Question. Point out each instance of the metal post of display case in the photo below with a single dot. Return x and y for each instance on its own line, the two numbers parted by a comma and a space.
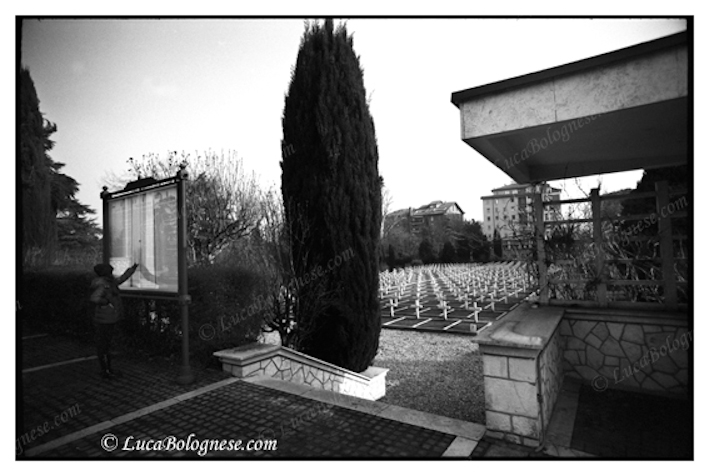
105, 195
186, 376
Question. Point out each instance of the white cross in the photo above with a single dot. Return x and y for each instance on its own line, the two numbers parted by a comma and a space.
444, 305
476, 310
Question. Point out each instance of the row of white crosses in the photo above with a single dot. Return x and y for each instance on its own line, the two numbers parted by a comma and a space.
393, 286
476, 286
469, 284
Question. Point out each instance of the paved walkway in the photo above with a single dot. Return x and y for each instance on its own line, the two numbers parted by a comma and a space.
620, 424
68, 411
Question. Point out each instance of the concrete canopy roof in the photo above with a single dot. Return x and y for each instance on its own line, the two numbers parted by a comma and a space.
624, 110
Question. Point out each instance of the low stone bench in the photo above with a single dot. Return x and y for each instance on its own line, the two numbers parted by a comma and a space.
266, 360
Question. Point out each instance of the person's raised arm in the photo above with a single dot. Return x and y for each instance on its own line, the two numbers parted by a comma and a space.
127, 274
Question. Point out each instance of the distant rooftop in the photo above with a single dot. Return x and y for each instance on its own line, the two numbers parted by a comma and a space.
436, 208
517, 186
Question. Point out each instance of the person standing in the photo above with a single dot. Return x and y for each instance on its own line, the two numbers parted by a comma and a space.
106, 297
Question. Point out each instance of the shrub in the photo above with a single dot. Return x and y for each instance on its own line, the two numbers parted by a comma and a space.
56, 301
228, 301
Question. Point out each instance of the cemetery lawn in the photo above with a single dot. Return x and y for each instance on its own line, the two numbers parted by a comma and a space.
433, 372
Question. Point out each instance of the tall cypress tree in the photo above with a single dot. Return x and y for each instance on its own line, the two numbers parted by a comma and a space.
332, 199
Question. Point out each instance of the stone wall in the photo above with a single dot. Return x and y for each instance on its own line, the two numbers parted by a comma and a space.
528, 353
633, 354
551, 375
522, 373
521, 389
263, 360
512, 410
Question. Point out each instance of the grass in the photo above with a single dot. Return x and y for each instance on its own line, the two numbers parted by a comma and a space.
433, 372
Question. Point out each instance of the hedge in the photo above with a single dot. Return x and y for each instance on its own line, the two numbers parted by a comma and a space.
56, 301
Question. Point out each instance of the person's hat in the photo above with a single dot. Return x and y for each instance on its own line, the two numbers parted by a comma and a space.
103, 269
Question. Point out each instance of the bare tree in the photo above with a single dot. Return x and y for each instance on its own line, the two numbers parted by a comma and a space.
285, 312
117, 180
387, 201
223, 205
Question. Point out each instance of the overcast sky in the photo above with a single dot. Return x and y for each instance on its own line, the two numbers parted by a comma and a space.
124, 88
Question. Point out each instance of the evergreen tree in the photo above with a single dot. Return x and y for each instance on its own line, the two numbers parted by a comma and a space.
470, 242
52, 217
391, 257
497, 244
426, 252
38, 216
448, 254
332, 200
76, 230
676, 177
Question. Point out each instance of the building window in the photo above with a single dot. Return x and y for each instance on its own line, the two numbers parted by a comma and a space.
514, 217
488, 218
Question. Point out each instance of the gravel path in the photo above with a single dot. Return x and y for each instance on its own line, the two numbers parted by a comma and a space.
433, 372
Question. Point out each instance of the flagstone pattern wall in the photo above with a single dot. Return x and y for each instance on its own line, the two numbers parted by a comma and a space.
629, 355
263, 360
528, 353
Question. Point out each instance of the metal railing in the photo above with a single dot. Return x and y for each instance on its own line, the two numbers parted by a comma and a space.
614, 261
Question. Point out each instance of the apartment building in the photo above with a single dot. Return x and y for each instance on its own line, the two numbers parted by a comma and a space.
509, 209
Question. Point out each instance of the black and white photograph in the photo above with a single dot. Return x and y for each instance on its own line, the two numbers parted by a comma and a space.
324, 237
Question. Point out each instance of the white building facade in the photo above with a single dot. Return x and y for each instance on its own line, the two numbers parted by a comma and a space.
509, 209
